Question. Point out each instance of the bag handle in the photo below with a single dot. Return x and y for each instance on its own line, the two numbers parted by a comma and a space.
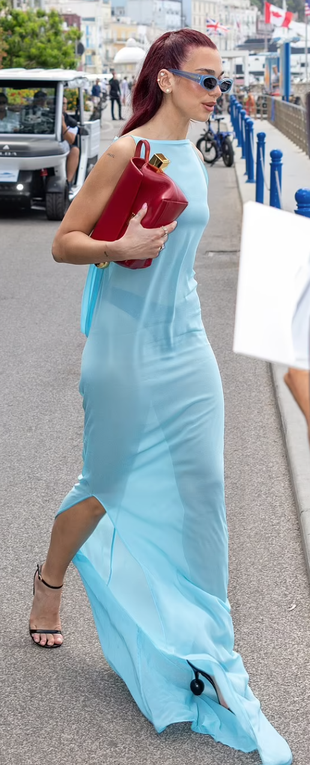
147, 149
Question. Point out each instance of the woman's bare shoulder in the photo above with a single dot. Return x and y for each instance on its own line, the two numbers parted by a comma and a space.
123, 147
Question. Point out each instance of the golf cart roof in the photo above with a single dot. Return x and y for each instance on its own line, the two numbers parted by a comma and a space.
67, 76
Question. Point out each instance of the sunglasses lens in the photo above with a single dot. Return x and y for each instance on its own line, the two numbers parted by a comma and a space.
225, 86
210, 83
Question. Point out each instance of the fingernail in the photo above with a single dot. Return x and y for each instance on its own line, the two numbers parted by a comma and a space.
144, 206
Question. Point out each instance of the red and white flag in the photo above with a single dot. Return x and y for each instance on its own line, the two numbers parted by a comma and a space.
278, 17
215, 28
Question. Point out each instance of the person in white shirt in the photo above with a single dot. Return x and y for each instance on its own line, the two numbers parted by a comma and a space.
124, 91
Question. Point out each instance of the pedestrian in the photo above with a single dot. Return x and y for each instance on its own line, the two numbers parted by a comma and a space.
124, 91
250, 105
96, 90
131, 83
104, 89
96, 100
146, 520
115, 96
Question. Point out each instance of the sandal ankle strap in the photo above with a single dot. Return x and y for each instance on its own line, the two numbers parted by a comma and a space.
51, 586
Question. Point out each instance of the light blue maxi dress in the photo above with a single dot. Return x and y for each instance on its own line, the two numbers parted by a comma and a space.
155, 568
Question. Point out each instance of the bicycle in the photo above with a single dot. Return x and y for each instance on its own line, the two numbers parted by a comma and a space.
214, 146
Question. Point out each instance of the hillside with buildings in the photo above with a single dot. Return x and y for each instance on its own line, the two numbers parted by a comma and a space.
106, 25
116, 33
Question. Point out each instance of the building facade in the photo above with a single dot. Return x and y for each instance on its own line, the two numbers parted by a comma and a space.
95, 16
122, 29
165, 14
239, 16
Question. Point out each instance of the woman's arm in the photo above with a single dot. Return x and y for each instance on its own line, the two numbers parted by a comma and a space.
72, 243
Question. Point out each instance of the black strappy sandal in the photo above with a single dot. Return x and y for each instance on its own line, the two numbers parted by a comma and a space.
38, 631
197, 686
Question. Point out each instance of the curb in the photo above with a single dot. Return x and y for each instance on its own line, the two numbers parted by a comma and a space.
293, 423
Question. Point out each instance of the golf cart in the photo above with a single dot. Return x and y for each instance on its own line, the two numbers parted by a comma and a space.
33, 152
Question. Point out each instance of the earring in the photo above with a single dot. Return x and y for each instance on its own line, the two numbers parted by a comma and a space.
168, 91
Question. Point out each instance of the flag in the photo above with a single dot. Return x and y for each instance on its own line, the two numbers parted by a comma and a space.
307, 7
278, 17
215, 28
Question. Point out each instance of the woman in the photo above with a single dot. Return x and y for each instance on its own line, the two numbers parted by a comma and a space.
146, 522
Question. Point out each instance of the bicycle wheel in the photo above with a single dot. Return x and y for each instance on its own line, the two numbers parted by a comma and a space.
227, 152
208, 149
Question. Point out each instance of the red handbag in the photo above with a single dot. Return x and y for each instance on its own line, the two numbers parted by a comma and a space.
142, 181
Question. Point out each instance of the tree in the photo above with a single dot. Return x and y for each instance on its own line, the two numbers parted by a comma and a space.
36, 39
3, 48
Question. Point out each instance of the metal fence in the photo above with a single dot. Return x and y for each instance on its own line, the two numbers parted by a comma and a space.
290, 120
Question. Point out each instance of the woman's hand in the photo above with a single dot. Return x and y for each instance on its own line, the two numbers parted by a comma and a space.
139, 243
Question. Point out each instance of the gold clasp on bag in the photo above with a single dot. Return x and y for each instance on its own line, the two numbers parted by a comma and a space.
159, 162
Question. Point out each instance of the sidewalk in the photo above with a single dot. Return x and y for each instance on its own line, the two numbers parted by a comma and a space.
295, 171
295, 175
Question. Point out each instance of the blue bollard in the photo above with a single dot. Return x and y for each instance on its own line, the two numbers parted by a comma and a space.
232, 102
302, 197
236, 120
242, 131
245, 121
275, 178
249, 150
232, 111
240, 125
260, 165
239, 107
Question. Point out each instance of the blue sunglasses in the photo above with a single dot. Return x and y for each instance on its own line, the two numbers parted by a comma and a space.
207, 81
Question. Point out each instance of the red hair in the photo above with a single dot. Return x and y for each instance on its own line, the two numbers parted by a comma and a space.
167, 52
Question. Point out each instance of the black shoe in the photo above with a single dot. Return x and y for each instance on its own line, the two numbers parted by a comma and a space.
38, 631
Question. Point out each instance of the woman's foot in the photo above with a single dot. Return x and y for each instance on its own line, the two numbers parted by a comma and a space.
198, 686
45, 612
220, 696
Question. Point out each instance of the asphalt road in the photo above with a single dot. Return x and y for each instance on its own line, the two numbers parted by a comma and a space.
67, 706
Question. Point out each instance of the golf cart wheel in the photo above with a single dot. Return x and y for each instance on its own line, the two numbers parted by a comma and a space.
56, 204
208, 149
227, 152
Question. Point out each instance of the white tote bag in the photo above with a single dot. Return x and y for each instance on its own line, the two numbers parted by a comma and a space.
273, 297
